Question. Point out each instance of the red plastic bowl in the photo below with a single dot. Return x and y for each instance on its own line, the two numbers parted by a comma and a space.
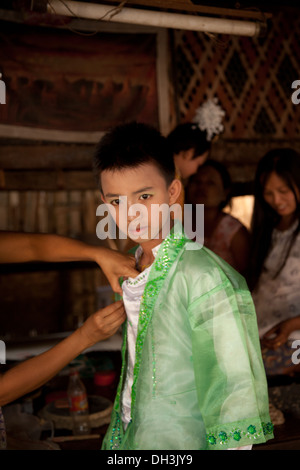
104, 378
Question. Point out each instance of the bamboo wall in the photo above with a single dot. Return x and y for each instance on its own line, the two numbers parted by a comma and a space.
69, 213
252, 80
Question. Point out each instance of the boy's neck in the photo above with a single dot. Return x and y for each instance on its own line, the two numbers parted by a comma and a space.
147, 257
149, 245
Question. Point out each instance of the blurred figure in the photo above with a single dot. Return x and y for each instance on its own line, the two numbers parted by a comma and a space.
191, 142
223, 234
190, 148
275, 256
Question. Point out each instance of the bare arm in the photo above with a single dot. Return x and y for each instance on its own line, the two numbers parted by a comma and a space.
279, 334
22, 247
34, 372
240, 248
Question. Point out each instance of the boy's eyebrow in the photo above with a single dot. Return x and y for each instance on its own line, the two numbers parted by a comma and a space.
143, 189
135, 192
112, 195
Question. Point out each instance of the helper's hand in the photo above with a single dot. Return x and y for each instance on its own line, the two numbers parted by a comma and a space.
279, 334
103, 324
115, 265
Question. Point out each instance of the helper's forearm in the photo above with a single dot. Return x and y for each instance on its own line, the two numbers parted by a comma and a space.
22, 247
34, 372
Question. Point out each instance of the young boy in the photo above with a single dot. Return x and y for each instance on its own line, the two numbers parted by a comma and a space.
192, 374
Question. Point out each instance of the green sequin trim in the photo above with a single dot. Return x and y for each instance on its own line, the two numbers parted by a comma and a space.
116, 438
133, 282
153, 363
165, 257
236, 434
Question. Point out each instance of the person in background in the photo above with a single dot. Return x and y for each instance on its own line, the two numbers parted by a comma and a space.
190, 148
190, 143
223, 234
33, 373
274, 276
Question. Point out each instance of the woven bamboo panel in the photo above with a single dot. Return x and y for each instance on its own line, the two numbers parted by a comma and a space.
69, 213
251, 77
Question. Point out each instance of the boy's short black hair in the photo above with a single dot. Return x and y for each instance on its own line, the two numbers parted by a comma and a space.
188, 136
130, 145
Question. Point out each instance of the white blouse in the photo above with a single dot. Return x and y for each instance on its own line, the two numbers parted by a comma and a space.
277, 299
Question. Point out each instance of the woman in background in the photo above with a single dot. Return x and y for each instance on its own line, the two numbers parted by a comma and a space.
275, 256
223, 234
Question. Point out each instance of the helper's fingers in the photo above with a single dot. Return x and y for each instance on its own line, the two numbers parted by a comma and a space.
113, 307
131, 272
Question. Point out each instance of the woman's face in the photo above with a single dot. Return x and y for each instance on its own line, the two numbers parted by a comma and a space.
279, 195
206, 187
187, 164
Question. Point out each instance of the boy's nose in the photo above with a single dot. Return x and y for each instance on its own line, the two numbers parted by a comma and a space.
130, 218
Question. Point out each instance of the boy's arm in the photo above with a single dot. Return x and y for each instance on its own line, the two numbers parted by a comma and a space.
229, 373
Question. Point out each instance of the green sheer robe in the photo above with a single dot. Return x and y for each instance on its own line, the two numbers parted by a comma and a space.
199, 380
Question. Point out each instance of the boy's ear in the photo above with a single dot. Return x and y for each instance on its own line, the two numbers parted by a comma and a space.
174, 191
102, 197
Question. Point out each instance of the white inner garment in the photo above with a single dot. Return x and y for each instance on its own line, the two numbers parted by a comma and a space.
133, 289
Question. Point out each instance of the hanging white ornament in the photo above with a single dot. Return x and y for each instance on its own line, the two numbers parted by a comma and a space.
208, 118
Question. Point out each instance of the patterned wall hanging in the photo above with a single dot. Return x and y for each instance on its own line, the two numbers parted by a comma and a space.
251, 77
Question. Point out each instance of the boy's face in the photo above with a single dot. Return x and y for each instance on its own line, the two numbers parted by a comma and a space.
145, 186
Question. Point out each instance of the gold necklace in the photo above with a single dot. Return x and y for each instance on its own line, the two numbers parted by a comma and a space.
142, 267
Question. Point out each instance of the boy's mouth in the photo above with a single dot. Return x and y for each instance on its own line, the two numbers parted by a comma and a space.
137, 232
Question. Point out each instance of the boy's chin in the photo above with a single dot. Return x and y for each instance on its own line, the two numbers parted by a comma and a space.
142, 236
139, 239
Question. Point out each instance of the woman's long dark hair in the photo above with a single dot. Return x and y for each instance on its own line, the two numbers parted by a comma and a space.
285, 163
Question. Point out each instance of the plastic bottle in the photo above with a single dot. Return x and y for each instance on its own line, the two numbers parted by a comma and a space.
78, 405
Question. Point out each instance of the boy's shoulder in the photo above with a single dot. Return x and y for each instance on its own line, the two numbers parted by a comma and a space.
198, 262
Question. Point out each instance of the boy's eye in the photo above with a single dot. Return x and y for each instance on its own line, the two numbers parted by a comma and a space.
145, 196
115, 202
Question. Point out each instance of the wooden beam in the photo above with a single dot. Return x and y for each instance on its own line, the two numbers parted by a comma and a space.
162, 66
47, 180
43, 157
55, 135
188, 6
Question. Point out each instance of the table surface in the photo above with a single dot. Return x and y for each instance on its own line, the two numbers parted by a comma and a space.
286, 435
